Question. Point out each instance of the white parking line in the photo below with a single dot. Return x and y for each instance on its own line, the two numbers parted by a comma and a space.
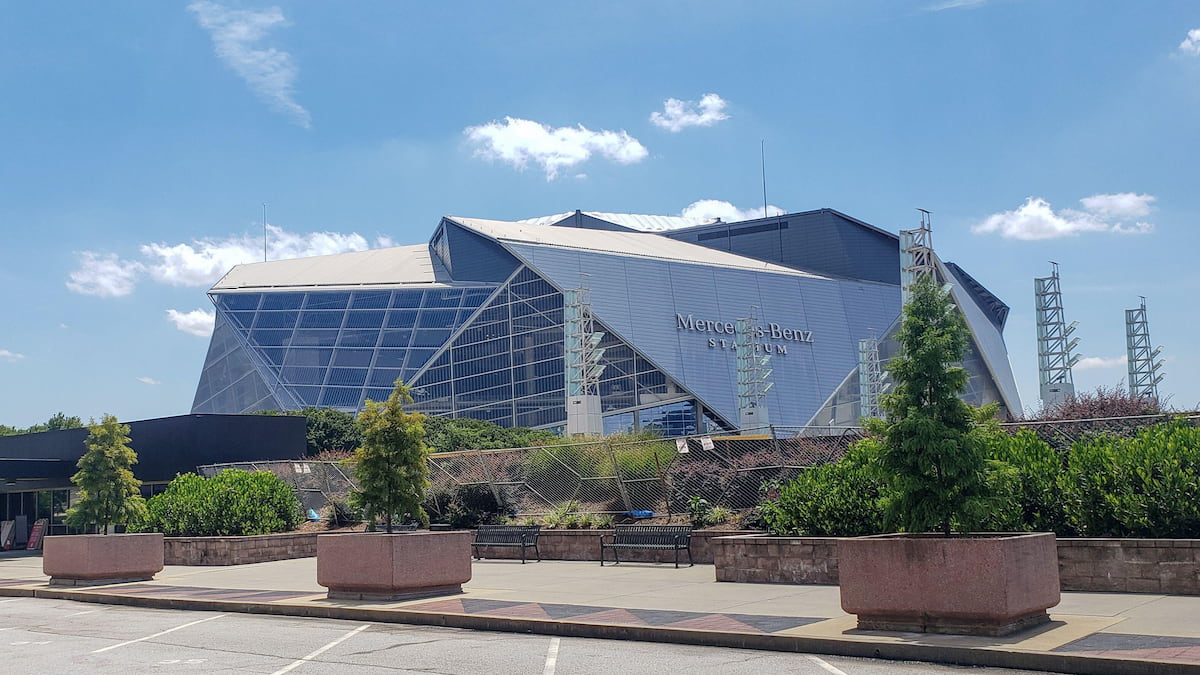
90, 611
305, 659
551, 657
151, 637
821, 662
11, 600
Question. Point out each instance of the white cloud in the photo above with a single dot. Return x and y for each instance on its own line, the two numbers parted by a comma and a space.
711, 209
1036, 219
104, 274
195, 322
201, 262
519, 142
148, 380
11, 357
678, 115
270, 73
1100, 362
1191, 44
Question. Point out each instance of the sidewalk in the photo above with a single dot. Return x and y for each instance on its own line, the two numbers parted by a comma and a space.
1089, 632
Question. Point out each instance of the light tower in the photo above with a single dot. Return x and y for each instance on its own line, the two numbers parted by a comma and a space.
1143, 369
870, 378
583, 369
752, 373
916, 254
1055, 343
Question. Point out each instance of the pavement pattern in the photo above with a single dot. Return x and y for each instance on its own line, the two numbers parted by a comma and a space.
1088, 633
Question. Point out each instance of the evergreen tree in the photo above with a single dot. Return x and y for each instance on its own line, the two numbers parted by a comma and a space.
390, 466
933, 465
109, 493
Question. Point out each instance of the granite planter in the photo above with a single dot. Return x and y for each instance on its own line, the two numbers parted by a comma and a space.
377, 566
94, 559
976, 584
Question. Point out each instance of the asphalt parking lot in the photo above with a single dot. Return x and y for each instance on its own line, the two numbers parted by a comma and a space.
38, 635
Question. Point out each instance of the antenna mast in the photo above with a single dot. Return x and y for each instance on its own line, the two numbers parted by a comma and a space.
264, 232
762, 153
916, 254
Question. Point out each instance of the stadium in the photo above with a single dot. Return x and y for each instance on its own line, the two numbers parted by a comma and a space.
591, 322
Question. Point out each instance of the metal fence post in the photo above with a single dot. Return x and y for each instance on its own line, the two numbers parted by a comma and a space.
620, 481
487, 473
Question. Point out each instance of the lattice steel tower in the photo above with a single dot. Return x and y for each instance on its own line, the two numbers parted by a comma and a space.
916, 254
1055, 343
1143, 369
753, 375
870, 378
582, 351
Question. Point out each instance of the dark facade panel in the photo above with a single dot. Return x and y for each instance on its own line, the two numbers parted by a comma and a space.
824, 242
165, 447
475, 258
997, 311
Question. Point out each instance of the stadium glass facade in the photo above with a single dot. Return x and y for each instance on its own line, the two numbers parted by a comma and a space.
473, 321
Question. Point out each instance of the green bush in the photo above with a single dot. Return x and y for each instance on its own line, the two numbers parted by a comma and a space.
1145, 486
1024, 478
230, 503
839, 499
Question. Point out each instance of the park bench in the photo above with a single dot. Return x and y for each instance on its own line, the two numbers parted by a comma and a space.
507, 536
648, 537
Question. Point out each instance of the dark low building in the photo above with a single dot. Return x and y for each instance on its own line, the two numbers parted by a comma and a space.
36, 469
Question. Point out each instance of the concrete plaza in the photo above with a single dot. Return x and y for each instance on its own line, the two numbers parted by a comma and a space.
1089, 632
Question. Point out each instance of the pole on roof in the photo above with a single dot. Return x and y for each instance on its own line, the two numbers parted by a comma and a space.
762, 153
264, 232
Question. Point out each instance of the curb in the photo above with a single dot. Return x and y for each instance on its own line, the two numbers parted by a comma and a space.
1075, 664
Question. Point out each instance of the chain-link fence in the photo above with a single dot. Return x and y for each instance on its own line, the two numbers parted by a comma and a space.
659, 476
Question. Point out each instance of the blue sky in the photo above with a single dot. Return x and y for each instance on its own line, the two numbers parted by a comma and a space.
139, 140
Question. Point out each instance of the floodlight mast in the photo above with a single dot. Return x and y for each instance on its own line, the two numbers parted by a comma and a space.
1055, 344
870, 378
916, 254
1143, 366
753, 381
583, 353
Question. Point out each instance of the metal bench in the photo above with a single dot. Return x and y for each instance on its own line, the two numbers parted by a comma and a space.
648, 537
507, 536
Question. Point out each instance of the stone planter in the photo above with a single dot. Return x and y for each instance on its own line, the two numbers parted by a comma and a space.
974, 584
93, 559
377, 566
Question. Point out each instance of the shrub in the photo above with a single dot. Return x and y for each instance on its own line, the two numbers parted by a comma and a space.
838, 499
1100, 403
1144, 486
561, 514
228, 504
1025, 482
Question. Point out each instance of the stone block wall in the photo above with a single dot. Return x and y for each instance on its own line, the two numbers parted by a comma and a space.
776, 560
1169, 566
239, 550
1166, 566
585, 545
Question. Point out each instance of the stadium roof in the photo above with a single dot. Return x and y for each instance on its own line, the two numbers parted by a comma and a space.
633, 244
634, 221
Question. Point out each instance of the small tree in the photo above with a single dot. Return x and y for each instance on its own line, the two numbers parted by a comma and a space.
390, 466
935, 470
109, 493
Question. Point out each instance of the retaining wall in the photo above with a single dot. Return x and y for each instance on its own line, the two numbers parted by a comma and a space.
1167, 566
239, 550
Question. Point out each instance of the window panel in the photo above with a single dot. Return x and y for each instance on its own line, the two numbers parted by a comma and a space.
297, 375
356, 377
282, 300
401, 318
236, 301
353, 357
276, 320
364, 319
436, 318
383, 377
321, 319
341, 397
358, 338
327, 300
370, 299
430, 338
409, 299
314, 338
270, 338
390, 358
318, 358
